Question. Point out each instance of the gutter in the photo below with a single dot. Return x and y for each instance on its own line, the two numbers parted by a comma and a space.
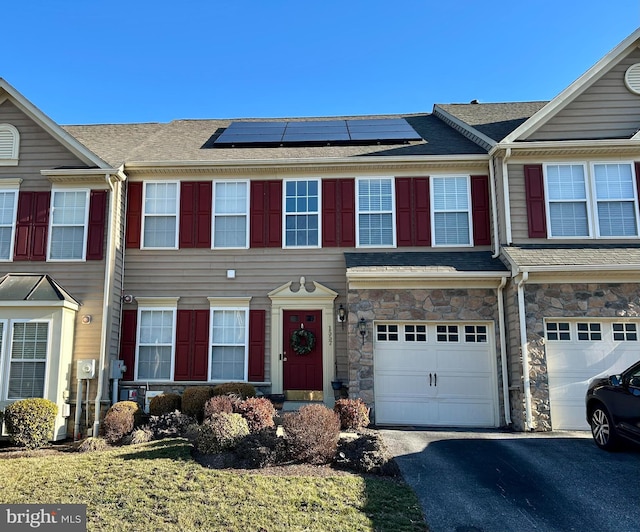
106, 304
494, 209
503, 352
524, 350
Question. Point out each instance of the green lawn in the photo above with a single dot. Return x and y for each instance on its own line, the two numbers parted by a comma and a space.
158, 486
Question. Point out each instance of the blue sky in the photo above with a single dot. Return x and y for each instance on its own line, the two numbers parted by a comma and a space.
93, 61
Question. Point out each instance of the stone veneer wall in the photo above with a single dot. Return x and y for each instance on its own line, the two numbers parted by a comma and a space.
407, 305
579, 300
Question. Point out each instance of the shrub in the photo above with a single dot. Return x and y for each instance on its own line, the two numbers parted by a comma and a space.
30, 422
353, 413
259, 413
140, 435
191, 432
120, 421
243, 390
261, 449
193, 400
367, 453
220, 404
170, 424
221, 432
165, 403
312, 434
90, 445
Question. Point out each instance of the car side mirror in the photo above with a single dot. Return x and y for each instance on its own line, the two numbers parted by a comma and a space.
616, 380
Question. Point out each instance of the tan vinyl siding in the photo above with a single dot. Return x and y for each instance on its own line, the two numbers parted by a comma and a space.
500, 208
518, 204
38, 150
607, 109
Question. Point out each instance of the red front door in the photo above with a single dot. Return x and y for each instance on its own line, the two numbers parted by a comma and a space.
302, 371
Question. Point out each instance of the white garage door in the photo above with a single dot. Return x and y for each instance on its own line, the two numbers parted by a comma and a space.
440, 374
578, 351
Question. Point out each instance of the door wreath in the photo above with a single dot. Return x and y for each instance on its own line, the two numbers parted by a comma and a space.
302, 341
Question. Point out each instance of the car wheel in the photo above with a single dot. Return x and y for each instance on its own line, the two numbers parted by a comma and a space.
602, 429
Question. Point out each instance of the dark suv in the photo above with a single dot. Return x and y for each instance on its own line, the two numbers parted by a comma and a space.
613, 408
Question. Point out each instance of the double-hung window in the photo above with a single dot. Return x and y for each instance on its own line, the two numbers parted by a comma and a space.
586, 201
451, 200
230, 208
160, 215
375, 213
8, 207
301, 213
28, 358
156, 348
69, 218
229, 339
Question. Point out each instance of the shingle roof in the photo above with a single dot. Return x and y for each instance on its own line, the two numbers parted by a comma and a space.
495, 120
32, 287
189, 140
574, 255
441, 261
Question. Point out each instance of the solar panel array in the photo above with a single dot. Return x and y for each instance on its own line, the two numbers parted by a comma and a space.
317, 132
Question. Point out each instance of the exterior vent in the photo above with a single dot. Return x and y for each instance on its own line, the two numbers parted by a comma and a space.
632, 78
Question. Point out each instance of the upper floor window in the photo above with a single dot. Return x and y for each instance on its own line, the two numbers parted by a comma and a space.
69, 212
9, 145
160, 215
585, 201
375, 214
301, 213
230, 208
8, 205
451, 202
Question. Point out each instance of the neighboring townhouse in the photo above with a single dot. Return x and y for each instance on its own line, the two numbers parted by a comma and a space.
470, 267
60, 268
566, 177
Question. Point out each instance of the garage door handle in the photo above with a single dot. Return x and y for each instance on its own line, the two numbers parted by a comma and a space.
430, 377
435, 379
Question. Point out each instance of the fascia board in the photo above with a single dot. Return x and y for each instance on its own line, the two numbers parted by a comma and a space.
437, 110
78, 149
573, 90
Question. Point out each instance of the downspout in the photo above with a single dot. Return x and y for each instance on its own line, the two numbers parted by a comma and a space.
503, 352
505, 192
494, 209
524, 351
106, 307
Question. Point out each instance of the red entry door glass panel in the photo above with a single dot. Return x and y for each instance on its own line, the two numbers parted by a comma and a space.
302, 372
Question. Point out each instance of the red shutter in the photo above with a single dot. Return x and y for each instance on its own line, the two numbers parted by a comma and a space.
128, 332
192, 345
404, 218
413, 219
97, 220
134, 215
274, 239
534, 188
329, 213
32, 226
257, 320
480, 210
22, 248
203, 200
187, 237
347, 210
266, 214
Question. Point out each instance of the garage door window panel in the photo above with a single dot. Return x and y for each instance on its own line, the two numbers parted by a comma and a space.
387, 333
447, 333
625, 332
558, 331
475, 333
415, 333
589, 331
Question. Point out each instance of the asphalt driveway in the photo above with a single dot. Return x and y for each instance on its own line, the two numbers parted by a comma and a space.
495, 481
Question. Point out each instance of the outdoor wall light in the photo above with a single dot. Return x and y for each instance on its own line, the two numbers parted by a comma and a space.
362, 328
341, 315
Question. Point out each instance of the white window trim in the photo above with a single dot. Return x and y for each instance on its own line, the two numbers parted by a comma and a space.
593, 224
54, 191
233, 304
285, 213
144, 214
392, 212
151, 307
15, 152
6, 356
432, 214
11, 185
247, 214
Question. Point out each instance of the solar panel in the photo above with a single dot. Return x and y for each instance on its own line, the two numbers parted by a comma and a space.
317, 132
